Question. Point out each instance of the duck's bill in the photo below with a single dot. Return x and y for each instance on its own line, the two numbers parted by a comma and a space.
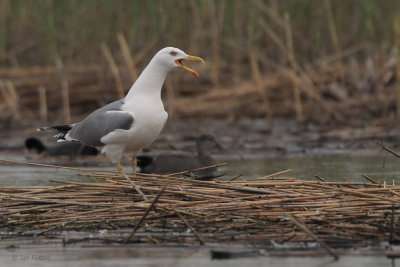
180, 63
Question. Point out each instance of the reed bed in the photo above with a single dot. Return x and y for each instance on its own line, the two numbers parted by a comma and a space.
171, 209
297, 59
366, 92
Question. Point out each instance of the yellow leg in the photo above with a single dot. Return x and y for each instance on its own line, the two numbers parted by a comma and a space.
119, 167
134, 164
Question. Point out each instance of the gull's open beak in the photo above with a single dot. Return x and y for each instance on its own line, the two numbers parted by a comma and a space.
180, 63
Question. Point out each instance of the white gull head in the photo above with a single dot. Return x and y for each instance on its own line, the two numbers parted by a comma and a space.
171, 57
153, 76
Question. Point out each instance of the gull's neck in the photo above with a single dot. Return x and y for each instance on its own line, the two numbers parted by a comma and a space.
149, 82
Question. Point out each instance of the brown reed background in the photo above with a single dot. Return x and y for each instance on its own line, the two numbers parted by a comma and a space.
319, 60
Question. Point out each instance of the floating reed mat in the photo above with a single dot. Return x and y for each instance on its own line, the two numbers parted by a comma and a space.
173, 209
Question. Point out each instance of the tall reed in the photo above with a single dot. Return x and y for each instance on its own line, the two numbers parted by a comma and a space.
218, 29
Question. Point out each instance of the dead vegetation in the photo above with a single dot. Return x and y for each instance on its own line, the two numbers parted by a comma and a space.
162, 209
298, 60
318, 94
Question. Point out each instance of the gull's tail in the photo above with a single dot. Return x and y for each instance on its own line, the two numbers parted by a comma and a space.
61, 129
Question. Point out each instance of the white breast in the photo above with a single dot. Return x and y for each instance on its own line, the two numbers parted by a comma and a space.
149, 120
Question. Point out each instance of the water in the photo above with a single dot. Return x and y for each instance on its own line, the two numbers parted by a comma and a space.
189, 257
332, 168
338, 168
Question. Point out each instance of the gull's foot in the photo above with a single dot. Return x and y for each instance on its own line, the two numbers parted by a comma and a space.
119, 168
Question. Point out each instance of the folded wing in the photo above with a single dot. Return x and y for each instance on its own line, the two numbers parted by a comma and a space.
100, 123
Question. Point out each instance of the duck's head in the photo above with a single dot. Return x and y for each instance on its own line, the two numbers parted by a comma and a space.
32, 144
207, 143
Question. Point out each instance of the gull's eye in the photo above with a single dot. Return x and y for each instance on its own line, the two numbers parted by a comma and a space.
173, 53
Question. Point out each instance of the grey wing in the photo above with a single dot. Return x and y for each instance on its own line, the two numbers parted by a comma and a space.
100, 123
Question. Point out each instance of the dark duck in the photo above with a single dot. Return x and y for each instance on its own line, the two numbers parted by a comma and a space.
173, 162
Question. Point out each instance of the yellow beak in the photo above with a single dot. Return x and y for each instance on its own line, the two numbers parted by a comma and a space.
180, 63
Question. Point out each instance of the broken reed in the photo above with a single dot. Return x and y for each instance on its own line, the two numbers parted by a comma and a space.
248, 211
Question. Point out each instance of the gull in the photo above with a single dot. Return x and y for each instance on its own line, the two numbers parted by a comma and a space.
130, 124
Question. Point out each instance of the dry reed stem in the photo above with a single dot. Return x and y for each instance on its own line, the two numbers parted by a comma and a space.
303, 227
343, 53
189, 226
388, 149
15, 99
135, 187
64, 91
272, 35
144, 52
196, 170
246, 210
217, 19
320, 178
259, 83
127, 56
332, 27
292, 60
11, 98
114, 70
371, 180
274, 174
270, 12
145, 214
42, 104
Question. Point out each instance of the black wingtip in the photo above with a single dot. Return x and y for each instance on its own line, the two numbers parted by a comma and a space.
62, 128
